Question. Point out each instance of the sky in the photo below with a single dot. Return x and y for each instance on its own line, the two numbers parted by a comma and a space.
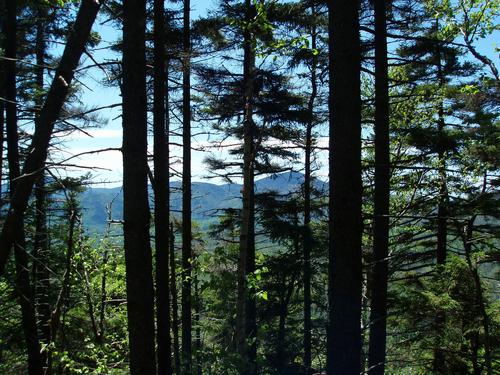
107, 170
106, 166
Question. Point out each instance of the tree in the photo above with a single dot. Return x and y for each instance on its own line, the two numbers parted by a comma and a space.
246, 328
187, 253
345, 221
161, 191
140, 301
48, 115
378, 308
26, 299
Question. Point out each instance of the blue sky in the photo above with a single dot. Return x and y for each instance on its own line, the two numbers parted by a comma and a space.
109, 172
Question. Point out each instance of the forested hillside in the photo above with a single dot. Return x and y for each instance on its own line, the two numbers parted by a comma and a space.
303, 187
209, 201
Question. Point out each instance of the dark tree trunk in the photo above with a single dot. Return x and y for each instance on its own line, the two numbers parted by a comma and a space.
186, 196
283, 315
48, 115
2, 130
307, 243
442, 233
378, 308
246, 328
175, 310
138, 259
41, 275
197, 311
161, 193
468, 240
24, 288
345, 222
41, 262
439, 363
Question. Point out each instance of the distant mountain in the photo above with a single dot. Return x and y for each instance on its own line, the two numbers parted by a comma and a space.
208, 199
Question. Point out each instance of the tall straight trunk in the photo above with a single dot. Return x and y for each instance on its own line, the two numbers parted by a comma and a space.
24, 288
442, 233
197, 311
246, 328
468, 240
41, 267
49, 113
186, 196
378, 307
161, 194
2, 115
345, 220
41, 275
138, 262
2, 129
439, 362
283, 315
175, 310
307, 243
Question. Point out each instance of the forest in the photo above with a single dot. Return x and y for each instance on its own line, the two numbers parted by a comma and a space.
344, 219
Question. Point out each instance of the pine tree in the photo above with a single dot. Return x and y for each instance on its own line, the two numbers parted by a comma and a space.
48, 116
161, 193
378, 309
140, 301
187, 254
345, 221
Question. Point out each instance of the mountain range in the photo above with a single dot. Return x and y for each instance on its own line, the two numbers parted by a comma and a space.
207, 199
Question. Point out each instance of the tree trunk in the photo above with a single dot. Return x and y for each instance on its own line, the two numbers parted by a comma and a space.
138, 259
161, 194
24, 288
197, 311
345, 220
378, 308
439, 362
48, 115
175, 310
246, 328
41, 275
186, 196
468, 241
281, 336
41, 266
307, 243
2, 130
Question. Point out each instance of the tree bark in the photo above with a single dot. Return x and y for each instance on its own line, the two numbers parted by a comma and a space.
49, 113
378, 308
2, 131
41, 275
307, 243
175, 310
186, 196
138, 258
439, 362
161, 194
197, 312
24, 288
468, 240
246, 328
345, 220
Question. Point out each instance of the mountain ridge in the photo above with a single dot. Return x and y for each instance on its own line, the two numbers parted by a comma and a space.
208, 198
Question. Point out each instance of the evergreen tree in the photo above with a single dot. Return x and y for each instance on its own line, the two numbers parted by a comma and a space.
161, 192
345, 221
140, 302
